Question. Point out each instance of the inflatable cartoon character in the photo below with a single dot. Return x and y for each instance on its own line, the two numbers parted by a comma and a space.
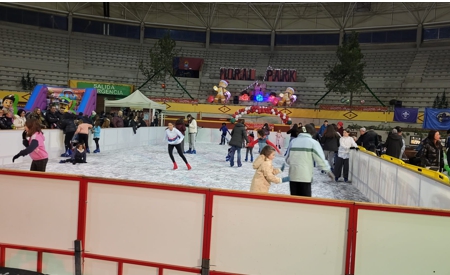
287, 98
66, 105
221, 92
10, 103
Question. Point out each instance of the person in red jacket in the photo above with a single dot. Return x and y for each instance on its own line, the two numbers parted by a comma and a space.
262, 141
251, 138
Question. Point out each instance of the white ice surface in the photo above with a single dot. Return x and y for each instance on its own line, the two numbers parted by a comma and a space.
209, 169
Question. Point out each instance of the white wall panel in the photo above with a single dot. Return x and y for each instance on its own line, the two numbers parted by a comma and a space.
98, 267
22, 259
400, 243
38, 212
129, 269
145, 224
266, 237
408, 187
58, 264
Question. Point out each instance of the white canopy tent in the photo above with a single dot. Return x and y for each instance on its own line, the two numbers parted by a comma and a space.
137, 100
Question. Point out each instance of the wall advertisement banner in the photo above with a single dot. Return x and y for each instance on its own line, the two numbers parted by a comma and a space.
103, 88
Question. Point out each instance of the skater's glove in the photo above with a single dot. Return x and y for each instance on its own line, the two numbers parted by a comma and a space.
282, 167
16, 157
24, 135
331, 175
354, 148
285, 179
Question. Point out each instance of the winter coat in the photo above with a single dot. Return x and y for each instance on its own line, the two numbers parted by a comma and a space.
40, 117
432, 155
303, 152
293, 132
117, 122
68, 124
393, 144
193, 126
4, 123
96, 131
173, 137
369, 140
330, 143
180, 127
52, 118
322, 129
19, 122
238, 135
345, 143
264, 175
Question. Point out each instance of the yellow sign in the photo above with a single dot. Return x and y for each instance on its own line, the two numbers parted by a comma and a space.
291, 112
23, 96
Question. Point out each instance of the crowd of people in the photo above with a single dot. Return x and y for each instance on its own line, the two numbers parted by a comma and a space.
328, 149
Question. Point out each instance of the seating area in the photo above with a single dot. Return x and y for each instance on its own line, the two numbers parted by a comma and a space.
438, 65
53, 58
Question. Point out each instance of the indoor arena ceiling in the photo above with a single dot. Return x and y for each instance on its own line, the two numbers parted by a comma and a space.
257, 16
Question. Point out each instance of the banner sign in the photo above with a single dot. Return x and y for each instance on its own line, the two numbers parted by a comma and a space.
175, 100
281, 75
354, 108
237, 74
103, 88
436, 119
254, 126
408, 115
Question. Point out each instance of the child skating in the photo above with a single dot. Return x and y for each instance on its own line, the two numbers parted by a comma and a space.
265, 173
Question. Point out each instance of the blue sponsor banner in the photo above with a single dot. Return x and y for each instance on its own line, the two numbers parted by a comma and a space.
436, 119
408, 115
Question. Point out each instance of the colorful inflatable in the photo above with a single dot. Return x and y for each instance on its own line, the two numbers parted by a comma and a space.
65, 99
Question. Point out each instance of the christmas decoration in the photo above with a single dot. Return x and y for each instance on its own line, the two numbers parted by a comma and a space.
287, 98
223, 95
261, 110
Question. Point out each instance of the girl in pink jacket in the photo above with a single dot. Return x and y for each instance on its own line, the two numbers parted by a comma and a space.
265, 173
34, 141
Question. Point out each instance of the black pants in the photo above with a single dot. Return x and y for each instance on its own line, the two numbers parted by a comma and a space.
96, 143
83, 138
300, 188
39, 165
180, 152
340, 162
249, 150
67, 138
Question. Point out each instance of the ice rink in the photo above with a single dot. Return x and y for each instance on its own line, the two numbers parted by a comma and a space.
209, 169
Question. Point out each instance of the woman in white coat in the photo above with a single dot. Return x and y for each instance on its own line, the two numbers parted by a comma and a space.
20, 119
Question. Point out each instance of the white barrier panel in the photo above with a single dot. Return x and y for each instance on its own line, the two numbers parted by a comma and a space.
21, 259
400, 243
434, 194
408, 186
252, 236
38, 212
129, 269
110, 139
388, 183
57, 264
99, 267
145, 224
384, 182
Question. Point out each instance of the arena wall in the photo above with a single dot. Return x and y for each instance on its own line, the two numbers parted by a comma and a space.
130, 228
